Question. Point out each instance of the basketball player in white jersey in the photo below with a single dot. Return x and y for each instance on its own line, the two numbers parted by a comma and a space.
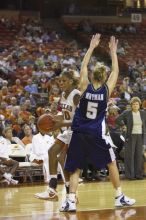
68, 102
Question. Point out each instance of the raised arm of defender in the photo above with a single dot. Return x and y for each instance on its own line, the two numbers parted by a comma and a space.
111, 82
84, 71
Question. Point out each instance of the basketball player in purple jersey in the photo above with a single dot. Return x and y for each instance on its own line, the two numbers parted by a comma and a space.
90, 139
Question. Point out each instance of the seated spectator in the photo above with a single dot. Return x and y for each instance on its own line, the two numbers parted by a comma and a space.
31, 87
27, 96
122, 102
121, 50
39, 63
132, 29
54, 82
143, 85
28, 135
17, 88
87, 26
135, 90
53, 57
111, 117
53, 110
32, 124
45, 37
30, 108
4, 110
17, 128
126, 88
2, 121
14, 114
40, 111
54, 94
7, 165
43, 83
13, 102
10, 139
125, 44
144, 104
5, 94
115, 93
24, 114
119, 29
41, 143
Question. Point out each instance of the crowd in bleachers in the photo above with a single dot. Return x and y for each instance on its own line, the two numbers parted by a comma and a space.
30, 65
90, 26
131, 46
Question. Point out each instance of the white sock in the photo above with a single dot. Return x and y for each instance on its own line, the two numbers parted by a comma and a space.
72, 197
118, 191
53, 176
67, 184
52, 190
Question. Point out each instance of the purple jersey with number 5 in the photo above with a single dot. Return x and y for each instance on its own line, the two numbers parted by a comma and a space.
90, 114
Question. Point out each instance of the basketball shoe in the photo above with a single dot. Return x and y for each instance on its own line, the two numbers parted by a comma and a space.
50, 195
124, 201
9, 179
66, 200
68, 206
14, 182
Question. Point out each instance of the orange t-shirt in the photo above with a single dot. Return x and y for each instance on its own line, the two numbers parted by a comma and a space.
27, 140
25, 115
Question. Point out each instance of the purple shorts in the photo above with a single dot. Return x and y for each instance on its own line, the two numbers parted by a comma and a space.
88, 147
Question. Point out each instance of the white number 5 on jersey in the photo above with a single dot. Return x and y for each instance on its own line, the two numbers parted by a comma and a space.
92, 110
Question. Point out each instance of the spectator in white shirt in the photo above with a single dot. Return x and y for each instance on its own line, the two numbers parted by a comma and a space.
41, 143
7, 165
12, 140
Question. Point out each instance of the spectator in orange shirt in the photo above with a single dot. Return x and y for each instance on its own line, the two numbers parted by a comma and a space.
15, 120
54, 94
115, 93
5, 94
28, 134
17, 88
43, 83
24, 114
4, 110
14, 114
40, 111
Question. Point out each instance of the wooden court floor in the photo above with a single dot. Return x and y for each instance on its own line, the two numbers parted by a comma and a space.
96, 202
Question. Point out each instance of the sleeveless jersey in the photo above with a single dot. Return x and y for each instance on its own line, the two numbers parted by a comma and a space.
90, 113
67, 105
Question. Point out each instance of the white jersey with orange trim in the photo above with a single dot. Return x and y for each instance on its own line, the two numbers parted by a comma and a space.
68, 109
67, 105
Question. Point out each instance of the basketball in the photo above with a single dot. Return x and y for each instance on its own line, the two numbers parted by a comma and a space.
45, 123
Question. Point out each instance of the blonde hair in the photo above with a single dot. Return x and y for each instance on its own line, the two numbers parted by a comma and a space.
135, 99
99, 73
